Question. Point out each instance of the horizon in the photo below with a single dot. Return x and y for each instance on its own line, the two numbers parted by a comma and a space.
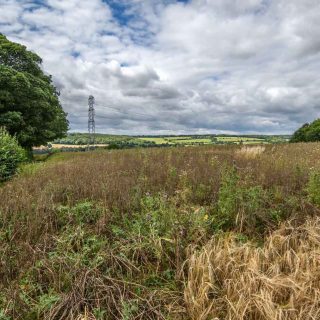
179, 135
169, 67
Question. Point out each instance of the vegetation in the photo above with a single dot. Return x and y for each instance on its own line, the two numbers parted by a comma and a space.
100, 138
214, 139
120, 142
29, 104
308, 132
74, 141
11, 154
211, 232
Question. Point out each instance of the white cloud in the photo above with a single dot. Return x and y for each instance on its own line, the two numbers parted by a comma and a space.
201, 66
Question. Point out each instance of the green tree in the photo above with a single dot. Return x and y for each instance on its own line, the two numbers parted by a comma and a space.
11, 154
29, 103
308, 132
300, 134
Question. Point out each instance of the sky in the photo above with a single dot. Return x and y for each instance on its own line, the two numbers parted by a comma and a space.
177, 67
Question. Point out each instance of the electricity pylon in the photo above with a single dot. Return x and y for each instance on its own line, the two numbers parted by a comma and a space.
91, 123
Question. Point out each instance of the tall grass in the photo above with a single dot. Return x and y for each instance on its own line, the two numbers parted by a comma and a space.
137, 234
229, 279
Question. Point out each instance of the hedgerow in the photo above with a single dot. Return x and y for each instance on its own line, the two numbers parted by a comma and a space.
11, 155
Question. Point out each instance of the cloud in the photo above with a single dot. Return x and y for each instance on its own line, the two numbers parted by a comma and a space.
166, 66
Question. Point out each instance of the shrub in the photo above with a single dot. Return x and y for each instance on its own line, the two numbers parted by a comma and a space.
11, 154
313, 188
228, 199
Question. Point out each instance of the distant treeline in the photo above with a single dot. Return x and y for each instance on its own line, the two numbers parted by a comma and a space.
197, 136
119, 141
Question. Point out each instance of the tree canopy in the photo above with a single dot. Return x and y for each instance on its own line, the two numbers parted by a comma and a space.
308, 132
29, 102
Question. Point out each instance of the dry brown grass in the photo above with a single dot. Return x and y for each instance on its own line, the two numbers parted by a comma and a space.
251, 152
228, 279
154, 206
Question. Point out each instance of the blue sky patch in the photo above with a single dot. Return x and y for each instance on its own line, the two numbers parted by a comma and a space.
120, 11
75, 53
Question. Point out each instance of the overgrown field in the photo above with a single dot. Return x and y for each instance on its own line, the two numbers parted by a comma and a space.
199, 233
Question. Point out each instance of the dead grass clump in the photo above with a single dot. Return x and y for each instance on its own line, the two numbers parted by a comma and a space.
250, 152
229, 279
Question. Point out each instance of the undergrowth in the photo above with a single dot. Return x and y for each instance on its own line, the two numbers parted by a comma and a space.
186, 233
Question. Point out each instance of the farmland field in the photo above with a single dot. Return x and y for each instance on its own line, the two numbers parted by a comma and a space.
209, 232
176, 140
238, 139
78, 139
156, 140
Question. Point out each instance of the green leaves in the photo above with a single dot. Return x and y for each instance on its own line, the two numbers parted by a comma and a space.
229, 196
29, 104
18, 57
313, 188
308, 132
11, 154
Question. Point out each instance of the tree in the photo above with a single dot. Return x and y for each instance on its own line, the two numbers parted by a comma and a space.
300, 134
11, 154
308, 132
29, 103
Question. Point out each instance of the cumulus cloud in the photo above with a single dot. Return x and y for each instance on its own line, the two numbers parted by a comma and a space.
169, 66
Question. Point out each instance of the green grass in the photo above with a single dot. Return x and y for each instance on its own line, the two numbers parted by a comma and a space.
176, 140
155, 140
190, 141
238, 138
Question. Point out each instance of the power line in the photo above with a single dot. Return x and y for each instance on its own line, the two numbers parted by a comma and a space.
119, 111
92, 114
126, 113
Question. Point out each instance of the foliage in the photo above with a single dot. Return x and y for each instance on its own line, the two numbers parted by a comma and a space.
313, 187
11, 154
228, 198
308, 132
29, 104
121, 142
163, 233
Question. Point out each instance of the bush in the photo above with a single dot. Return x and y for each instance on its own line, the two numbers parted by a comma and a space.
313, 188
229, 197
11, 154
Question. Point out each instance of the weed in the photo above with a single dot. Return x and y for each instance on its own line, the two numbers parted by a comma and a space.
313, 188
228, 199
175, 233
82, 212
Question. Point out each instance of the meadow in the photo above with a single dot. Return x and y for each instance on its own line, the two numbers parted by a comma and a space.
196, 233
78, 139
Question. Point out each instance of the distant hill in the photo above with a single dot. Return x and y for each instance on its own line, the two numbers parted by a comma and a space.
169, 140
